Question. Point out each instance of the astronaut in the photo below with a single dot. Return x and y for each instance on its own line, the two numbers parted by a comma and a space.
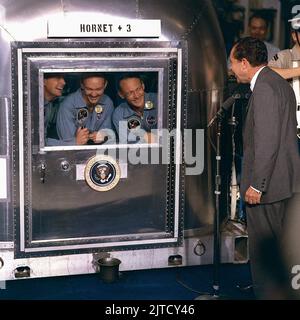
54, 84
84, 117
137, 115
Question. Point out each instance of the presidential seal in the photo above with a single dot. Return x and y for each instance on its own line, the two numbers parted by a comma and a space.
102, 173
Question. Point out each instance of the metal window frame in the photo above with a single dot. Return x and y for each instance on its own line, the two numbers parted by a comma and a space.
178, 155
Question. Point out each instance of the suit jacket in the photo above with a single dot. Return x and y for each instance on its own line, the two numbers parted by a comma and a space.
271, 160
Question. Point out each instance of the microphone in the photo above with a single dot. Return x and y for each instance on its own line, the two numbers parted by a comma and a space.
224, 107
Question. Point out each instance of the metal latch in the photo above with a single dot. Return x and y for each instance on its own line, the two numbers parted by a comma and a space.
43, 172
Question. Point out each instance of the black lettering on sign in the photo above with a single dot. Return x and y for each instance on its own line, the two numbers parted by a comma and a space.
128, 28
96, 27
82, 27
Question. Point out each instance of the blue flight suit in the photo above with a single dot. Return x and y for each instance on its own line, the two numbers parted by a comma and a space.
147, 122
73, 113
50, 115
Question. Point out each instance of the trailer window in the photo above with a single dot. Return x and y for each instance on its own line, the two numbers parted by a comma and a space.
99, 107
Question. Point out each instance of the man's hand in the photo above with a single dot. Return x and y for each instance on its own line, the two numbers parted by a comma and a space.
82, 136
97, 136
252, 196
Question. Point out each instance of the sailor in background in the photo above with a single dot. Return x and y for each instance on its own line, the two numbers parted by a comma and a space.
139, 111
258, 27
284, 59
282, 62
85, 115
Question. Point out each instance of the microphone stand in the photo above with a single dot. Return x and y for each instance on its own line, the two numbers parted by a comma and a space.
233, 181
216, 235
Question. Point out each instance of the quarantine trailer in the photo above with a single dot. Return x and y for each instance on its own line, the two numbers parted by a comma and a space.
150, 205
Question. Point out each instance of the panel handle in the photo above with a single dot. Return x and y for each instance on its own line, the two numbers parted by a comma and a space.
43, 172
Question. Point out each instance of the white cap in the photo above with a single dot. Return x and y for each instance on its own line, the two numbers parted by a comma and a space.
295, 23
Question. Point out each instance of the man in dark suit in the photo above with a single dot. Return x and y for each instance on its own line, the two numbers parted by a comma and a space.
271, 163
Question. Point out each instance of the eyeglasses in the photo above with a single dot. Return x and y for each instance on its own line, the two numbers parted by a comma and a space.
132, 93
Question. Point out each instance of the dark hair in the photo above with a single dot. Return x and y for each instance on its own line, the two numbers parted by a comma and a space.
252, 49
88, 75
129, 76
295, 30
49, 75
297, 35
261, 16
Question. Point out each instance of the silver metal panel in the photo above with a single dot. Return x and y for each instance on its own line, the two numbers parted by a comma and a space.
197, 23
5, 59
199, 246
6, 230
192, 21
178, 151
54, 210
21, 147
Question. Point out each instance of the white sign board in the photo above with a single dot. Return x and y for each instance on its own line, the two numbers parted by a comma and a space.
3, 179
108, 28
